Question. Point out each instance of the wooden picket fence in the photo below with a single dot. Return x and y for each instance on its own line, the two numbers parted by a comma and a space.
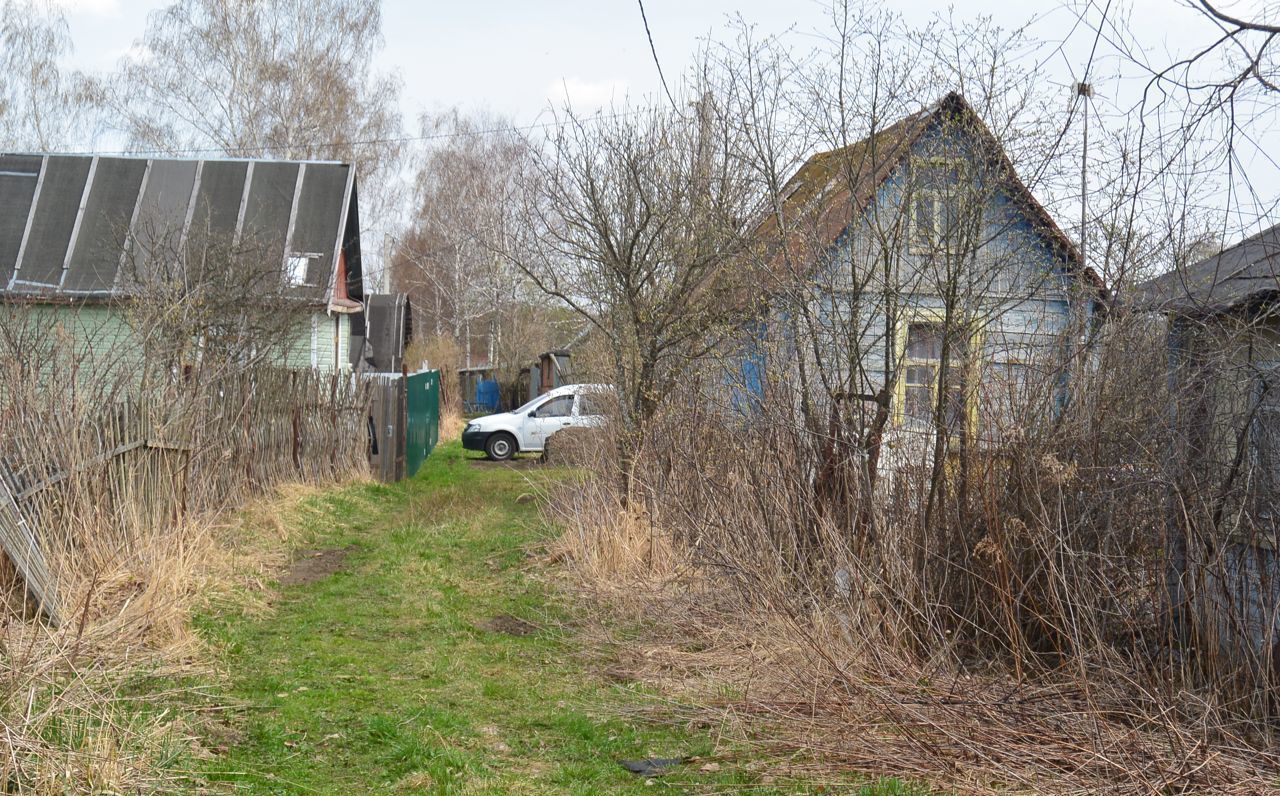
139, 465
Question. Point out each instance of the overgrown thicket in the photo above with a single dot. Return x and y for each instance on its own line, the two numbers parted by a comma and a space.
1021, 638
923, 491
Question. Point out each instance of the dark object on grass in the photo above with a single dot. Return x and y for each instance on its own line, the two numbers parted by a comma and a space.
651, 766
509, 625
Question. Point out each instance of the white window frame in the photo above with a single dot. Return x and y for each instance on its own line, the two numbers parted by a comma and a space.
297, 267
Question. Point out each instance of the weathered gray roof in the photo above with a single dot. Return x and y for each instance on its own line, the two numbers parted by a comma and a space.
1246, 272
388, 327
70, 223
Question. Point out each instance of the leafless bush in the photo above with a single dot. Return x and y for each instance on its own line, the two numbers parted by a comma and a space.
1022, 636
119, 451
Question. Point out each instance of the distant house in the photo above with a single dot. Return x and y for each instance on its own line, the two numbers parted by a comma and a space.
551, 370
558, 367
80, 236
911, 262
480, 389
1224, 378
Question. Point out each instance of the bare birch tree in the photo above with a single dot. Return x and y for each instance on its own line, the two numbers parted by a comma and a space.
451, 258
281, 79
42, 105
633, 223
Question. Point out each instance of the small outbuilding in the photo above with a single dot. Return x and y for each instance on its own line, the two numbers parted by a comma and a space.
549, 372
382, 332
1224, 509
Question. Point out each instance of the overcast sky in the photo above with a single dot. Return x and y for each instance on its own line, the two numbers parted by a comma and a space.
515, 56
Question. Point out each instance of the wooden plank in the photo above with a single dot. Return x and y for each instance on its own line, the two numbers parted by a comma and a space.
101, 458
19, 541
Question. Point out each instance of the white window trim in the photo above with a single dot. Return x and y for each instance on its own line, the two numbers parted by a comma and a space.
291, 262
315, 342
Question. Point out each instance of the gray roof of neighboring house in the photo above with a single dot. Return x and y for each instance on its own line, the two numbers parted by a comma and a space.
70, 224
388, 328
1244, 273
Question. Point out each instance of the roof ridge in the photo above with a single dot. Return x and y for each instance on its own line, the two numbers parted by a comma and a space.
170, 158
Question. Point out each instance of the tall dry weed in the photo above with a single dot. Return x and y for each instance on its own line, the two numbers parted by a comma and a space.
1009, 632
125, 475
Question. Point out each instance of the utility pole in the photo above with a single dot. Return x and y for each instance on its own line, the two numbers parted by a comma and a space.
1085, 92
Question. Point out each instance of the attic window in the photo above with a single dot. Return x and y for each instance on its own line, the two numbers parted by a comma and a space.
937, 204
297, 269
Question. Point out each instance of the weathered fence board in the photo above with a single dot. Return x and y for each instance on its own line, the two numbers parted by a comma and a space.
137, 466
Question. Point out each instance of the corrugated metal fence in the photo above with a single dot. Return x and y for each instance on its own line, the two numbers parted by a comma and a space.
405, 422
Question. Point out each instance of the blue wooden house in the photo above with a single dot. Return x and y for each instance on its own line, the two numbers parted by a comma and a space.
914, 280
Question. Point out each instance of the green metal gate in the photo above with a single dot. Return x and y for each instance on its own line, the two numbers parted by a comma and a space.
423, 430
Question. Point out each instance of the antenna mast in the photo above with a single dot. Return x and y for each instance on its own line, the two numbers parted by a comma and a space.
1085, 91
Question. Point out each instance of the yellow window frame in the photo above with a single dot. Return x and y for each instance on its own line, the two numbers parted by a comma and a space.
931, 315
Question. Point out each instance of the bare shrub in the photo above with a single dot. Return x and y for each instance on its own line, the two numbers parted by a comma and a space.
128, 432
1021, 638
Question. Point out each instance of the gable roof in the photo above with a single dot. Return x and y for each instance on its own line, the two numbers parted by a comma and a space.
1247, 272
832, 188
69, 224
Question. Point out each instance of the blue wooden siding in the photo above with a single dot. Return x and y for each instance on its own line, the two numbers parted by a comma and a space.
1027, 296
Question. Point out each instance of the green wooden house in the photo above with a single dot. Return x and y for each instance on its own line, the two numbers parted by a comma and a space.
84, 239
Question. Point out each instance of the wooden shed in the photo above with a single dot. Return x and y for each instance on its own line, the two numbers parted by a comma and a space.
1223, 317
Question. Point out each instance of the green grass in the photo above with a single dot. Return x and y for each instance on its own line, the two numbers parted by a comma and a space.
382, 677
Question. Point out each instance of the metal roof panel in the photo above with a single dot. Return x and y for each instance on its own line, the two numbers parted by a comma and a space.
319, 217
105, 225
55, 215
160, 216
266, 216
18, 177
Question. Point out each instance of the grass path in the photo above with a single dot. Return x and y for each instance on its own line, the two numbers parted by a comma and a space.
382, 669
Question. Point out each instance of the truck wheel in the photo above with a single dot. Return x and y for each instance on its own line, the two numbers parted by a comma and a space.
500, 447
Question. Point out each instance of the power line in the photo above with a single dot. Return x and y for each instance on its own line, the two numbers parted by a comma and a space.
654, 50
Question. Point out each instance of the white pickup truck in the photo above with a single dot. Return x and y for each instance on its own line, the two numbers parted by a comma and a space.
527, 429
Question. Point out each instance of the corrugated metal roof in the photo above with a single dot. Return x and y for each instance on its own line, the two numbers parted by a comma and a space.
1248, 271
76, 226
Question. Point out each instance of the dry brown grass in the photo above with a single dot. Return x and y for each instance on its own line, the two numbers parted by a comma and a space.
451, 423
76, 720
819, 702
890, 678
618, 550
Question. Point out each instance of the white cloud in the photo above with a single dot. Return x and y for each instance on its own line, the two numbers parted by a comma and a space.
586, 95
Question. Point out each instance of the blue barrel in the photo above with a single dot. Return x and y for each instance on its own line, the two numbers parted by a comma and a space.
488, 395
